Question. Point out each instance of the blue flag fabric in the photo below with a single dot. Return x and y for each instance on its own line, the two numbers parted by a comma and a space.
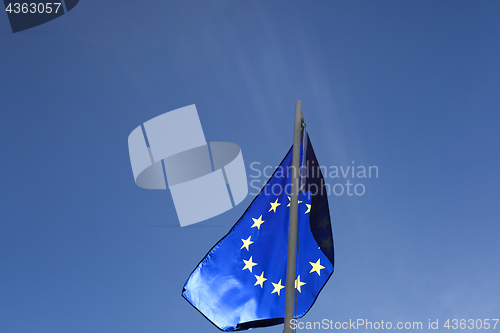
240, 284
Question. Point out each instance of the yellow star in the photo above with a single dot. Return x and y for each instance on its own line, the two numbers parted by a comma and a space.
308, 209
248, 264
274, 205
246, 243
289, 199
257, 222
316, 267
277, 287
327, 243
260, 280
299, 284
324, 222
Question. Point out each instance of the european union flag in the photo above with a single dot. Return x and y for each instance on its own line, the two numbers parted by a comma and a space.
240, 283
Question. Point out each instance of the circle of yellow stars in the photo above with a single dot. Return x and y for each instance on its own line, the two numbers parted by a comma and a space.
249, 264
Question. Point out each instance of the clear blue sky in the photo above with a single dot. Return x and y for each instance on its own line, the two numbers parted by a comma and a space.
409, 86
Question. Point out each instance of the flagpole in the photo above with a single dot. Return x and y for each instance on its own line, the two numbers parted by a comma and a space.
292, 229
